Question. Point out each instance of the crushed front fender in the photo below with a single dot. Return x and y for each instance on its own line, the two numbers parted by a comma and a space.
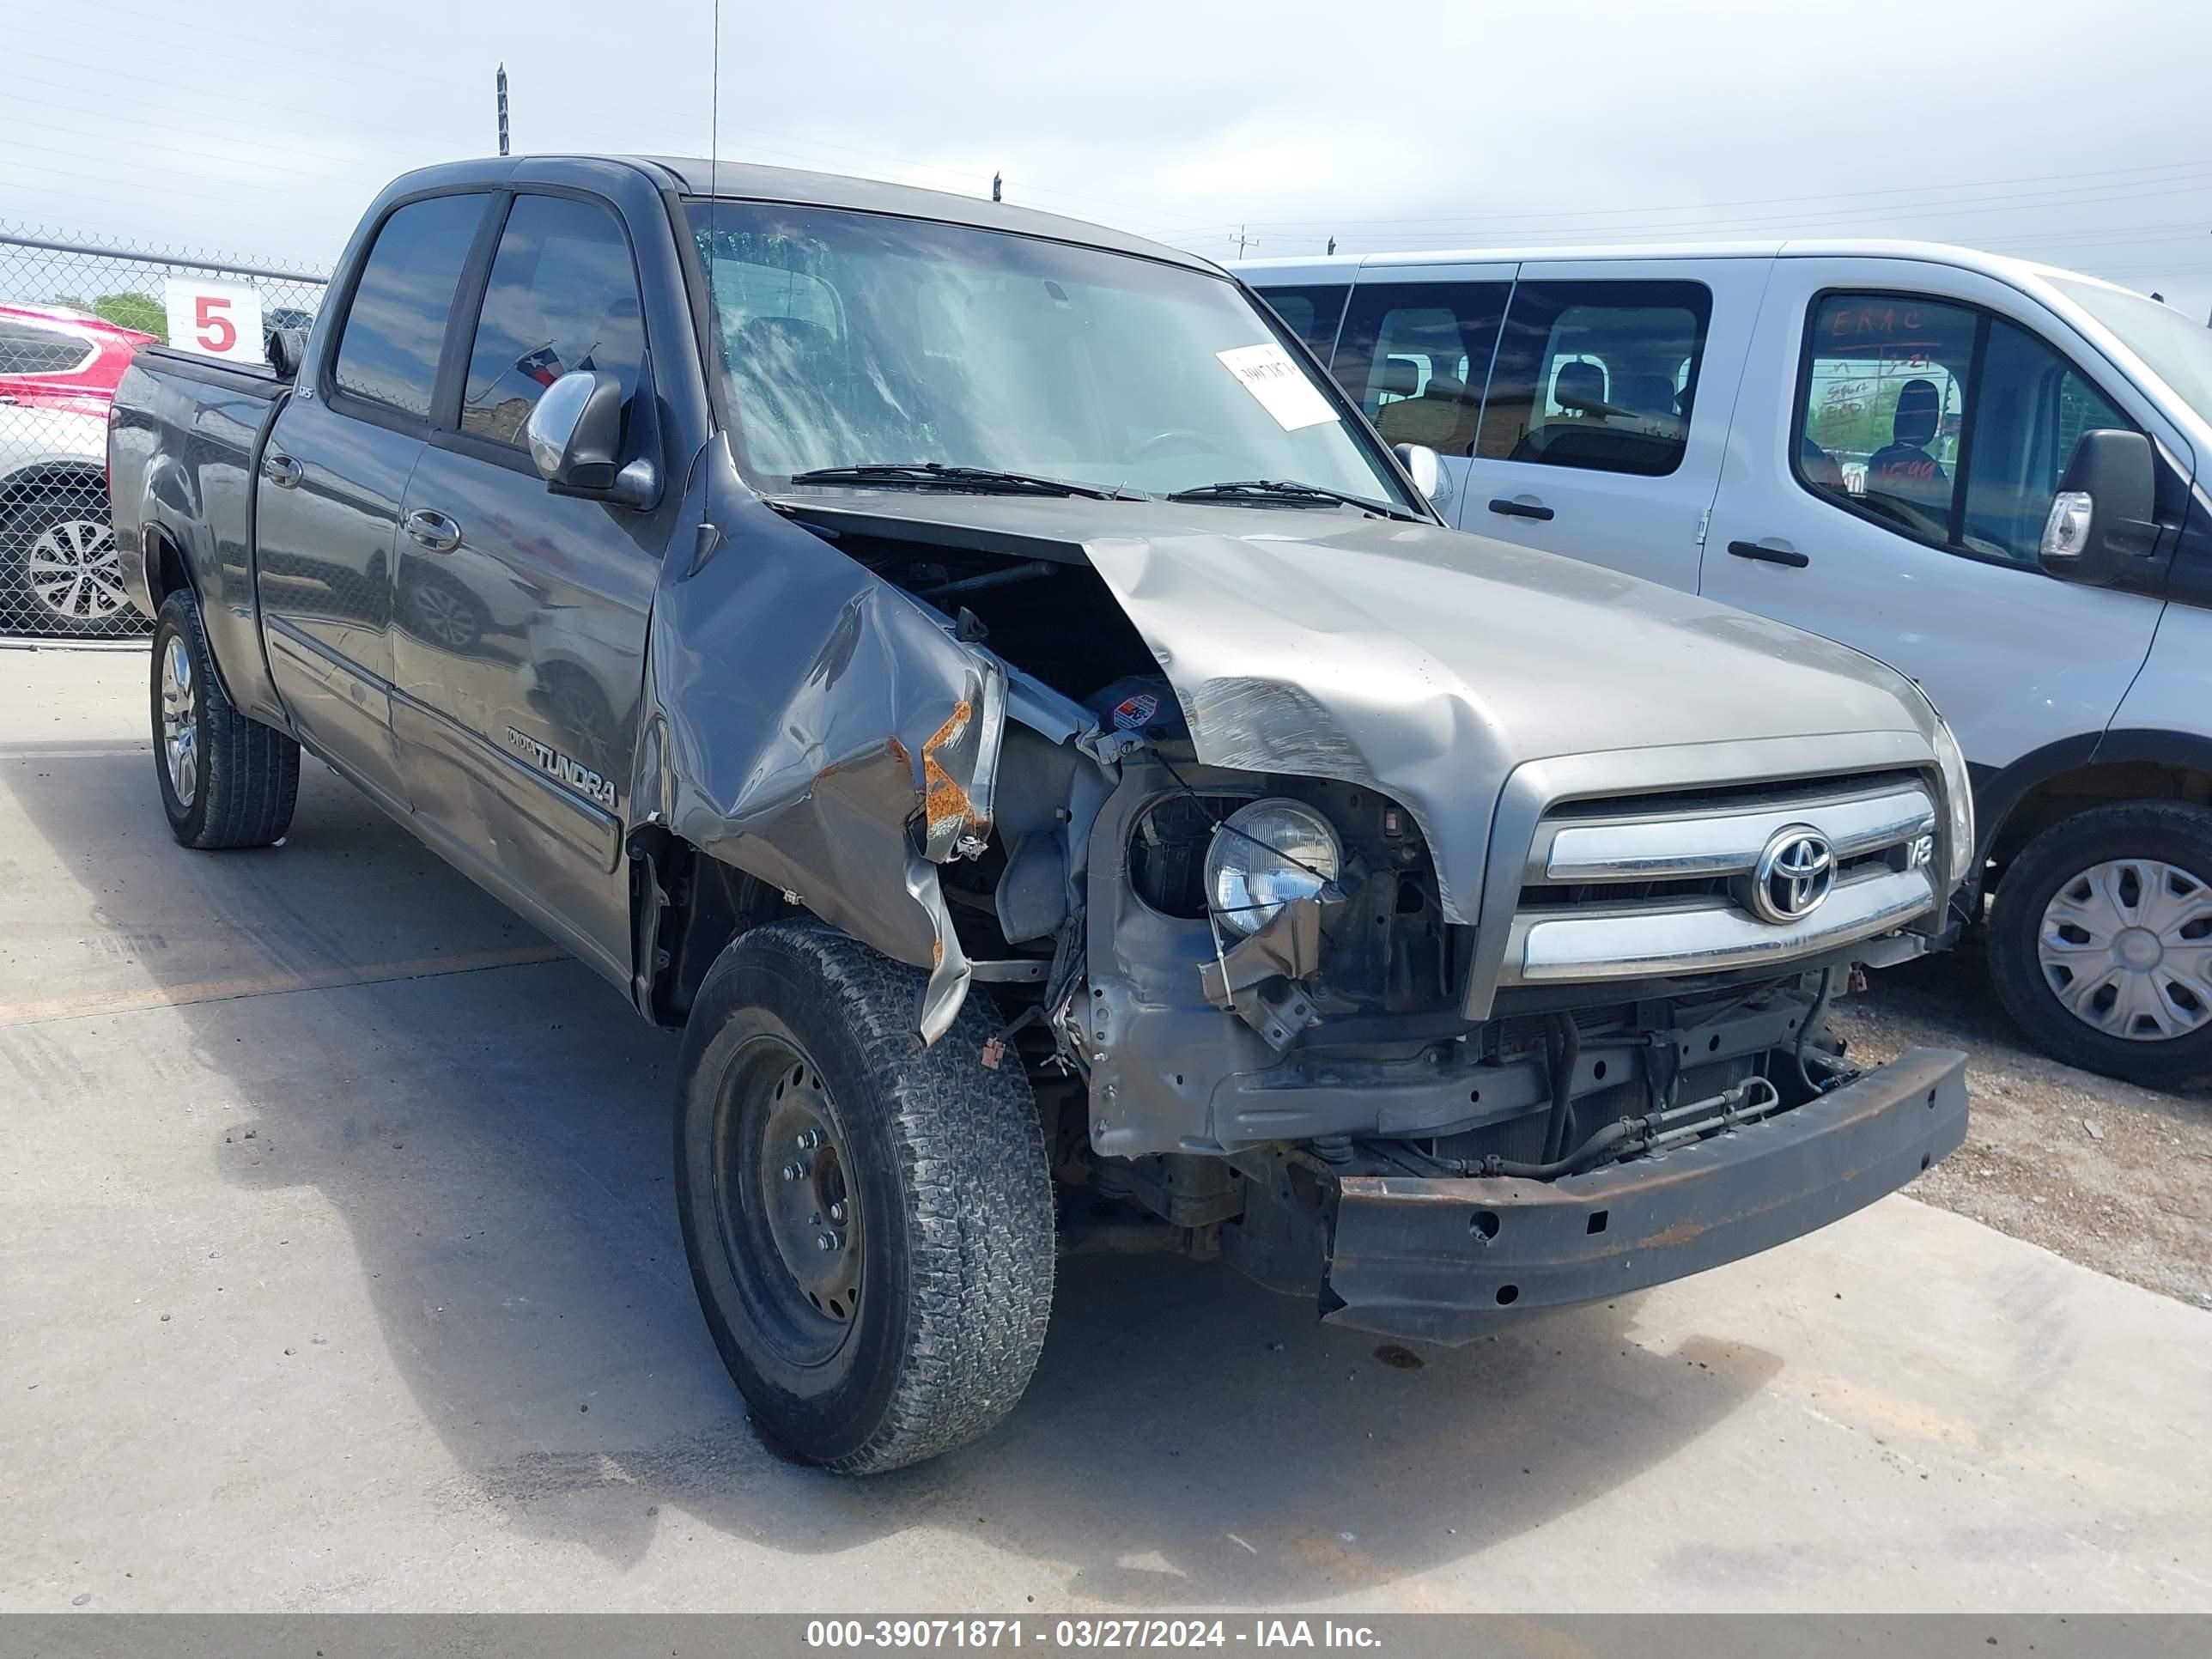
822, 731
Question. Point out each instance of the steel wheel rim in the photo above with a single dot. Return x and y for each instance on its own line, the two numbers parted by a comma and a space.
782, 1192
74, 572
2126, 947
181, 724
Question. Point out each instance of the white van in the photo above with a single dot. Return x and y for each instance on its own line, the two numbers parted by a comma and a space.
1882, 442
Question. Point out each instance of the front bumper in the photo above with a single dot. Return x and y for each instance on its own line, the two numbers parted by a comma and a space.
1447, 1260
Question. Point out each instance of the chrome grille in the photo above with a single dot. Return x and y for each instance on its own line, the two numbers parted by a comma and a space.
1648, 887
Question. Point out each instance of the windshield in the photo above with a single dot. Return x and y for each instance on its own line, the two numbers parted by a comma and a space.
2179, 350
855, 338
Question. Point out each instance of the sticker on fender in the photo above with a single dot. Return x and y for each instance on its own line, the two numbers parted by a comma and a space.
1267, 373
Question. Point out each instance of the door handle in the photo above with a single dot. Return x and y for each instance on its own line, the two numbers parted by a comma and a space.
282, 470
1787, 556
1519, 510
434, 529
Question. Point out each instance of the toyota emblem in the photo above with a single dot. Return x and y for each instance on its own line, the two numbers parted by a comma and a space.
1794, 874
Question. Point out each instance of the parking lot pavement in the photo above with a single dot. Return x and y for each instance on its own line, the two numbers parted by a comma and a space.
341, 1272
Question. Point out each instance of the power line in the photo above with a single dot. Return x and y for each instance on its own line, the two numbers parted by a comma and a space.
1585, 214
103, 179
1810, 223
258, 42
80, 154
226, 93
190, 132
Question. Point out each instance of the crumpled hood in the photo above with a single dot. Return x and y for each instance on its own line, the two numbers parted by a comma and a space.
1406, 639
1426, 662
1431, 664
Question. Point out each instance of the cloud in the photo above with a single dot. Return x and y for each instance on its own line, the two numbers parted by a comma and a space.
266, 128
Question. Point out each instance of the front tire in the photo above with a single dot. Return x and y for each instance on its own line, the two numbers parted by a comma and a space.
870, 1223
226, 780
2100, 941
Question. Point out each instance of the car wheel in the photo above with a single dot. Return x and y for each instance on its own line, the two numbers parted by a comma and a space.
869, 1222
2100, 941
226, 780
64, 576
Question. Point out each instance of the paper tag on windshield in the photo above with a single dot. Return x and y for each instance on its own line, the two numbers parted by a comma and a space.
1267, 373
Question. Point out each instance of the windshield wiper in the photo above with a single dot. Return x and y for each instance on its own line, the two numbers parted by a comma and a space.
925, 474
1285, 492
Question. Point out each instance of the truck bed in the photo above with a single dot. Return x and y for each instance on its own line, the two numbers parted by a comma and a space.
184, 448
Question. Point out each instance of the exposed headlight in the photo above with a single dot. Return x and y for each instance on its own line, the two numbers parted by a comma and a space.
1263, 856
1958, 792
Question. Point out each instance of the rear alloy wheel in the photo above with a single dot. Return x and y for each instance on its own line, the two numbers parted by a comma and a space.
226, 780
2100, 941
62, 557
180, 720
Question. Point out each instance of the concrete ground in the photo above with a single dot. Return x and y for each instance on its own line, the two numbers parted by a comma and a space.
340, 1271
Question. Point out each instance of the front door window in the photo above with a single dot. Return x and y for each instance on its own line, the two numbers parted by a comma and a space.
1940, 421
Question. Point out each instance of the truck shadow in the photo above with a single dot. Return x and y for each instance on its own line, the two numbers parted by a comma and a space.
495, 1145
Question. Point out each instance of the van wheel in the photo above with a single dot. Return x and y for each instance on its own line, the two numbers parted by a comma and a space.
226, 780
869, 1222
2100, 941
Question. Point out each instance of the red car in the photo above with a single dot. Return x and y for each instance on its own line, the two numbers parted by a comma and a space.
54, 357
58, 371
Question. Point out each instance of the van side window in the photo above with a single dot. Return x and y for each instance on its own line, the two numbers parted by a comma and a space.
562, 296
1881, 407
1940, 421
395, 329
2028, 411
1416, 355
1599, 376
1311, 313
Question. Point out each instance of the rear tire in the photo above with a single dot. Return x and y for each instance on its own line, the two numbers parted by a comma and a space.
2100, 941
226, 780
808, 1110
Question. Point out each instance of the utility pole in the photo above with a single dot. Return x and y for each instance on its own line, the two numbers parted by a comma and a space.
1244, 241
995, 182
1332, 244
503, 109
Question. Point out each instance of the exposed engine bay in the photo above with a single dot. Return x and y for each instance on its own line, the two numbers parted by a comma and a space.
1232, 991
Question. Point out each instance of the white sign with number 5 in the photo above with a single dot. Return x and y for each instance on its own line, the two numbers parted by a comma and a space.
217, 320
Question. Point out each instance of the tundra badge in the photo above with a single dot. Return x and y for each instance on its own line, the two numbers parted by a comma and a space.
563, 769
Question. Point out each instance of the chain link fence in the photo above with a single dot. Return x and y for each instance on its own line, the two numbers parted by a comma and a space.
72, 310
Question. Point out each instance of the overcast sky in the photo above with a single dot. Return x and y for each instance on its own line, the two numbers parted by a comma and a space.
2068, 132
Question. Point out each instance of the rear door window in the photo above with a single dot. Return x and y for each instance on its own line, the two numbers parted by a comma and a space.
395, 328
1599, 376
1312, 312
1416, 355
562, 296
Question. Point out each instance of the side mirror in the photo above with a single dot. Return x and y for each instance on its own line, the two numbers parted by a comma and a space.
1426, 469
2103, 520
575, 441
286, 352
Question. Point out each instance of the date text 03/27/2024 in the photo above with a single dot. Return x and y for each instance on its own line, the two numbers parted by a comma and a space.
1087, 1633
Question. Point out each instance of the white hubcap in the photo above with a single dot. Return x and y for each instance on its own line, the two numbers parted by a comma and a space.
74, 572
2126, 946
180, 726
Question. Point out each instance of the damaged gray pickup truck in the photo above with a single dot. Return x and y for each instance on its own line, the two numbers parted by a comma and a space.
976, 676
